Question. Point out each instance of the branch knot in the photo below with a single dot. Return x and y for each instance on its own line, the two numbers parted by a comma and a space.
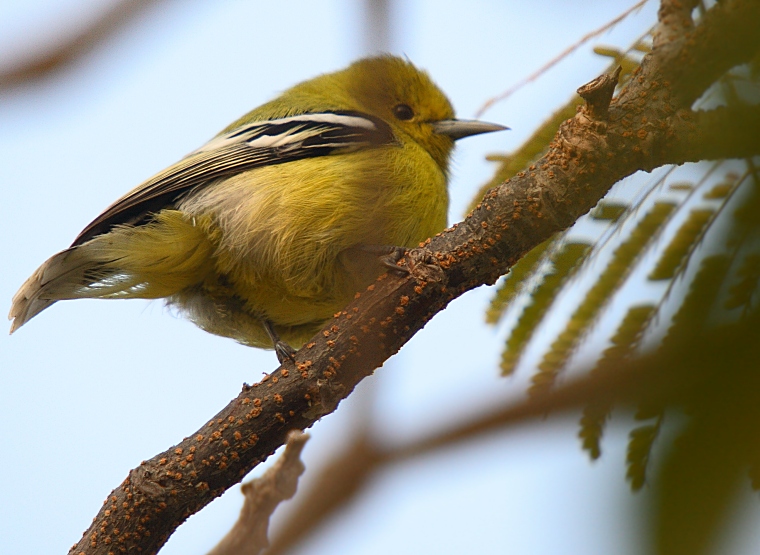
598, 94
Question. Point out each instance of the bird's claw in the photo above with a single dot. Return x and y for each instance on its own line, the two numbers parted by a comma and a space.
285, 353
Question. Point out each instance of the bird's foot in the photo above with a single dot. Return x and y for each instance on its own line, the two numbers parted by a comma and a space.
285, 353
389, 256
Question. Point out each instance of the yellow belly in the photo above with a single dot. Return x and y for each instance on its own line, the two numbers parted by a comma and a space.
281, 244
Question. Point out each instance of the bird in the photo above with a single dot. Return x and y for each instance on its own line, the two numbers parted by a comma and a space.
272, 226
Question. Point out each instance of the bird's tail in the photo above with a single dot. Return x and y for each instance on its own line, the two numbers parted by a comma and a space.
146, 262
63, 276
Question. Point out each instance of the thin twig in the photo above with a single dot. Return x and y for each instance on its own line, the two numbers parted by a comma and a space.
569, 50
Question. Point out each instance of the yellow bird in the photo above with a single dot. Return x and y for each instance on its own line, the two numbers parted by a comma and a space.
267, 230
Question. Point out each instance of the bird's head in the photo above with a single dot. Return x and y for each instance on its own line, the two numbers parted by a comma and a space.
405, 97
389, 88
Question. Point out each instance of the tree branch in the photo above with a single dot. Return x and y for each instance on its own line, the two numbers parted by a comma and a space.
640, 130
726, 36
346, 475
249, 535
86, 40
725, 132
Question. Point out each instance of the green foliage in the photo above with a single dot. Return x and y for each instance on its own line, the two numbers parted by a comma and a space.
640, 444
564, 263
686, 354
624, 59
714, 378
676, 253
723, 189
608, 211
558, 354
697, 385
705, 369
687, 324
625, 342
691, 317
512, 283
592, 424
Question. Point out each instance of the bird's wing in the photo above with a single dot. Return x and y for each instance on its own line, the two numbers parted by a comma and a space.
250, 146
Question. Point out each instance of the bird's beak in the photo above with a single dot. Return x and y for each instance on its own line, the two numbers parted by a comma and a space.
460, 128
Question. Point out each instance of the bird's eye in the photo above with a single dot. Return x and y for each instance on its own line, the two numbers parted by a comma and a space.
403, 112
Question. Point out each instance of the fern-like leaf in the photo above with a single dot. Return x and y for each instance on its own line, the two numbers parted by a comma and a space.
676, 253
625, 341
514, 280
608, 282
640, 442
592, 424
723, 189
608, 211
565, 263
692, 315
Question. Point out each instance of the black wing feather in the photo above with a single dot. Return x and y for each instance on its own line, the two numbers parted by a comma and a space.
234, 154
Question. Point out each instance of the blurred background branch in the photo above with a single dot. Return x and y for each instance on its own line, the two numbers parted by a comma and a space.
81, 41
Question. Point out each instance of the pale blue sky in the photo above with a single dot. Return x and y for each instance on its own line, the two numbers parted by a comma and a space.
91, 388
